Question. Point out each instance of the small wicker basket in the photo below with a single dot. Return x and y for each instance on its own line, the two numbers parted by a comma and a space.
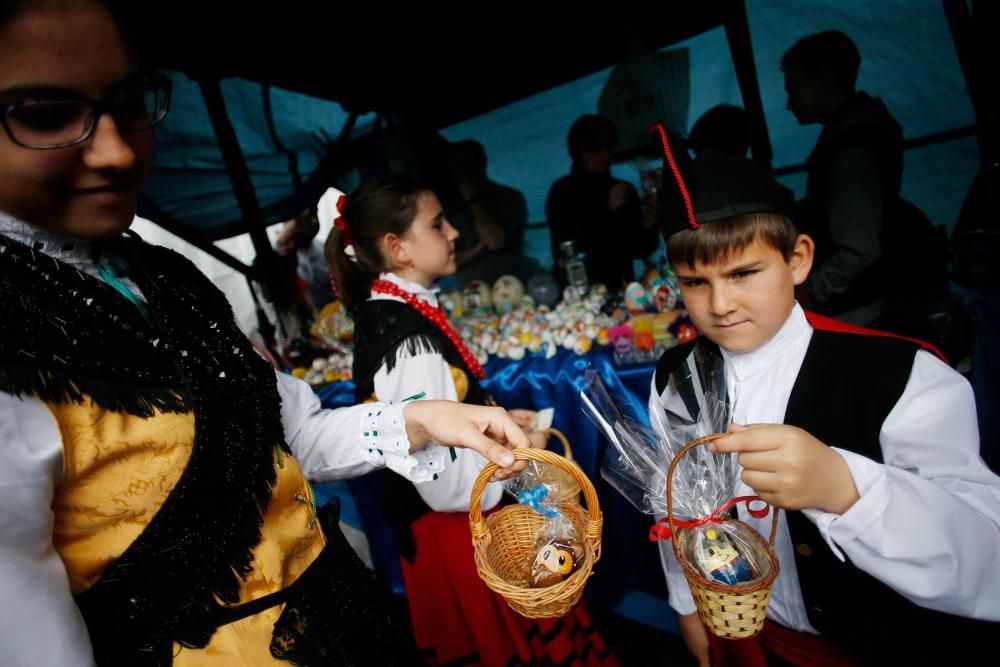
569, 490
728, 611
504, 543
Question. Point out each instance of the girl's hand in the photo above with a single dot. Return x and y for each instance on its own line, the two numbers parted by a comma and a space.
695, 636
523, 418
489, 431
526, 420
539, 439
789, 468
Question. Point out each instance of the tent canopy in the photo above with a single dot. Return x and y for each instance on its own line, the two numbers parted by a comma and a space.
438, 68
268, 103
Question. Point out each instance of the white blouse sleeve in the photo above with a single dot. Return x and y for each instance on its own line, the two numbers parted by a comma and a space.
429, 373
40, 623
928, 520
348, 442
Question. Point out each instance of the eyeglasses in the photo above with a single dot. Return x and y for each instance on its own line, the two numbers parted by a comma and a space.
61, 121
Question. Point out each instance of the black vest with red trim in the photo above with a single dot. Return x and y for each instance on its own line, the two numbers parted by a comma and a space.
849, 382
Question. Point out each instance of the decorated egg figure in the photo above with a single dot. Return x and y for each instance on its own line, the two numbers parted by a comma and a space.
636, 298
451, 302
476, 296
572, 294
720, 559
598, 291
621, 338
507, 293
664, 297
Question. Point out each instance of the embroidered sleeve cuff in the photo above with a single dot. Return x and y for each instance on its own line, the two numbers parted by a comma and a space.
873, 491
384, 433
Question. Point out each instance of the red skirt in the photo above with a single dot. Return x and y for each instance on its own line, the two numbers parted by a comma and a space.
798, 648
457, 620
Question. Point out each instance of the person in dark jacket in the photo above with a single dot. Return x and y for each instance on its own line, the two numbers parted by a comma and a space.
600, 213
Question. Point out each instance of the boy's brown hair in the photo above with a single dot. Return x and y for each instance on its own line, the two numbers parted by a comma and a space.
718, 241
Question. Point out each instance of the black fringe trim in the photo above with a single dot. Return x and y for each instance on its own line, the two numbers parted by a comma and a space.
53, 386
413, 345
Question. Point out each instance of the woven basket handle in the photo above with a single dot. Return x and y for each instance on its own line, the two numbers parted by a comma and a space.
670, 491
565, 442
594, 519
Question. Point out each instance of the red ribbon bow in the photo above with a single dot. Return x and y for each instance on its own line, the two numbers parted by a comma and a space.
341, 222
661, 529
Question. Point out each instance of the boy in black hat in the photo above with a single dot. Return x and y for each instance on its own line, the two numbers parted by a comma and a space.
868, 441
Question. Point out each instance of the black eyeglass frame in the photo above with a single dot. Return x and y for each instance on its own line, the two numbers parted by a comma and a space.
99, 108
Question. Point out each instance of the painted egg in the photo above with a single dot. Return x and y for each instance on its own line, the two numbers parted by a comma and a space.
476, 296
636, 298
507, 293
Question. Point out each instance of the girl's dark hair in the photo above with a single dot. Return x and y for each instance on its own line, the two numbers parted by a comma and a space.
385, 205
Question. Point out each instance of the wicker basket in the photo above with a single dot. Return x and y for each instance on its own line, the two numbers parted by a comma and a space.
728, 611
569, 490
504, 543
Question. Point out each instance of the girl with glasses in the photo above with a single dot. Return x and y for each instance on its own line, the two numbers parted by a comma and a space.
156, 508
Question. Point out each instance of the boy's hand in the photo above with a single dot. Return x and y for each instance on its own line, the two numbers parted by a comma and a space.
789, 468
695, 636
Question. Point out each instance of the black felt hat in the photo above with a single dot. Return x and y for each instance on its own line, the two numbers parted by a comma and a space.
711, 188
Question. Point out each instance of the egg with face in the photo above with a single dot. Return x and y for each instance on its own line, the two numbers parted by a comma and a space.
451, 302
556, 559
664, 298
621, 338
636, 298
598, 292
721, 560
507, 293
476, 296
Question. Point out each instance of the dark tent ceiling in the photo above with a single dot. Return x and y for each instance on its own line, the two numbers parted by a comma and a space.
437, 66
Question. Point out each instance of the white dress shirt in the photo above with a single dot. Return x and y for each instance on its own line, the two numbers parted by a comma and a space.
927, 523
428, 372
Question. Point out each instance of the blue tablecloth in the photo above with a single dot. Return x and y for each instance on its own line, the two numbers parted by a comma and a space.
630, 562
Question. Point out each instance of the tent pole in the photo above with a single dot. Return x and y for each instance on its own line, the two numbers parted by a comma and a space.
738, 36
236, 165
267, 263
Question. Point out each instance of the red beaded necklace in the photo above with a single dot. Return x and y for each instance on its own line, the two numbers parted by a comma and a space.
436, 317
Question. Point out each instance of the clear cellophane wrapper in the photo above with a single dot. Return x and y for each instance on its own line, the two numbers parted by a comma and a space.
558, 549
694, 404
